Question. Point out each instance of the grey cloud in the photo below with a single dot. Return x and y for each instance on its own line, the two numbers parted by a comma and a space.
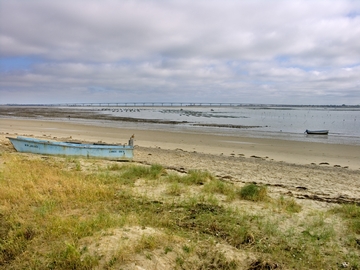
224, 50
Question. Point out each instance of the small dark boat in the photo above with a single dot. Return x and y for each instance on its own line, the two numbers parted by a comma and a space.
317, 132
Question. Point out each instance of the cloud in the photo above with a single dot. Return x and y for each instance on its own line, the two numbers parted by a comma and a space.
180, 50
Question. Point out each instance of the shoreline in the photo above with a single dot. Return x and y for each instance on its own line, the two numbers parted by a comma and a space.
312, 171
166, 119
292, 152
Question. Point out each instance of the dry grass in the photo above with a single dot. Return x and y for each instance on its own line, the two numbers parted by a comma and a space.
63, 213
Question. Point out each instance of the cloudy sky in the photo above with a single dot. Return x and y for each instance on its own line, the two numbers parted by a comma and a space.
248, 51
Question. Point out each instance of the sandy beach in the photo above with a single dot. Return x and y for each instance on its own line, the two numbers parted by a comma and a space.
324, 172
294, 152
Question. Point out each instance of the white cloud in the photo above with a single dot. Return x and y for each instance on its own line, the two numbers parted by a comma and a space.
206, 50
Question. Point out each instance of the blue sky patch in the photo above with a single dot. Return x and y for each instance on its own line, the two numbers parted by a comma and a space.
16, 63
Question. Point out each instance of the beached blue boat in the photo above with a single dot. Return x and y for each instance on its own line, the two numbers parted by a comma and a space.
108, 151
317, 132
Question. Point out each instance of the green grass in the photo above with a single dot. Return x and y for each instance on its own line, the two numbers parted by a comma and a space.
288, 204
175, 189
194, 177
351, 213
52, 215
253, 192
220, 187
133, 173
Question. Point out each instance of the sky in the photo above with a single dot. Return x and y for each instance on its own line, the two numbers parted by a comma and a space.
248, 51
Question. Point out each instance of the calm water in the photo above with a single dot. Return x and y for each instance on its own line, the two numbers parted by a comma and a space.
285, 123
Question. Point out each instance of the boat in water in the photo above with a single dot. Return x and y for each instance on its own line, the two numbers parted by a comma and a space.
95, 150
317, 132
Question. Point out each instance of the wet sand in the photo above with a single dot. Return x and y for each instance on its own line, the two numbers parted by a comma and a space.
295, 152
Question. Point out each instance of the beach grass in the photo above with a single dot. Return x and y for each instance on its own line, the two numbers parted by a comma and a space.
64, 213
253, 192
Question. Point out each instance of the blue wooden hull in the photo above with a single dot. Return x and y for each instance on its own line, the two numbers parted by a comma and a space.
37, 146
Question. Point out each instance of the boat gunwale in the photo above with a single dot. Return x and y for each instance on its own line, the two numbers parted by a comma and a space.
72, 145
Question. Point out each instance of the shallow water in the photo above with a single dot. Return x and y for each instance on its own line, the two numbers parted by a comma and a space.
273, 122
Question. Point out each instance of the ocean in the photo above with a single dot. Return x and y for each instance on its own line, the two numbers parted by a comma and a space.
287, 123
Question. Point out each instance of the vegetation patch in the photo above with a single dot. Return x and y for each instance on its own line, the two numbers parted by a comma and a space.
253, 192
288, 204
351, 212
59, 213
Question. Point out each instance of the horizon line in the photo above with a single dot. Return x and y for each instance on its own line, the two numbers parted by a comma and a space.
172, 104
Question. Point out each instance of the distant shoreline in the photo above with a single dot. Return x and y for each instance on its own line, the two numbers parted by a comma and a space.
59, 113
180, 104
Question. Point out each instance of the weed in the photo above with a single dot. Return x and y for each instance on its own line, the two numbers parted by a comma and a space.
253, 192
174, 178
156, 170
69, 257
77, 165
186, 248
318, 230
216, 221
46, 207
193, 177
114, 167
352, 214
262, 264
136, 172
196, 177
288, 204
220, 187
124, 253
109, 177
174, 189
89, 226
14, 242
205, 257
111, 262
168, 249
180, 261
147, 242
